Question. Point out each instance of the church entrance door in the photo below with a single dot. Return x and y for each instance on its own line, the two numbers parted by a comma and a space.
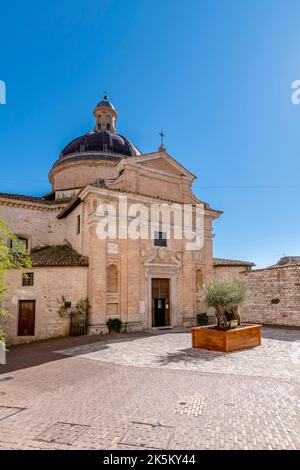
160, 302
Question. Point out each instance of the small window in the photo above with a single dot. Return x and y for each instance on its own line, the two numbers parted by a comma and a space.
108, 122
78, 224
160, 239
22, 240
99, 121
27, 279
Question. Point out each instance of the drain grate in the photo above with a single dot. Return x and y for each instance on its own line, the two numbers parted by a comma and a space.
154, 436
7, 411
191, 406
62, 433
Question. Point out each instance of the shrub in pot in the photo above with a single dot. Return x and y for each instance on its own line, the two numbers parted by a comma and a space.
226, 296
202, 319
114, 324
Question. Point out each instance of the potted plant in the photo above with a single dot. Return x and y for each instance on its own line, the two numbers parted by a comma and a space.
114, 325
202, 319
225, 296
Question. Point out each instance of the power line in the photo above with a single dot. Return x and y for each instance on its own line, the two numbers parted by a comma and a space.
296, 186
195, 185
23, 179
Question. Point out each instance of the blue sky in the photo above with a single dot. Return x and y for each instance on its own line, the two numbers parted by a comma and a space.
215, 74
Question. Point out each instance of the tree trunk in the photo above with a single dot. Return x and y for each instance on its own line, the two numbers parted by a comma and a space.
222, 322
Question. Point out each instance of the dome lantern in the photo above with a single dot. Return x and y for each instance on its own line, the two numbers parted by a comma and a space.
105, 115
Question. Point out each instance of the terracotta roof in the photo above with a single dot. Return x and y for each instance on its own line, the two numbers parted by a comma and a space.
231, 262
22, 197
57, 255
277, 266
69, 208
284, 262
289, 260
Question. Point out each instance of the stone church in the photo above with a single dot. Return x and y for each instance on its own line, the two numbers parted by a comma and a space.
147, 283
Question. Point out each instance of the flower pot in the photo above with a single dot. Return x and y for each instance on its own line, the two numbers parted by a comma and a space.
243, 337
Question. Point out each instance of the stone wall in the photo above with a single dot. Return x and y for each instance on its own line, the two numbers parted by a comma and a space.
229, 272
281, 282
50, 284
39, 225
42, 227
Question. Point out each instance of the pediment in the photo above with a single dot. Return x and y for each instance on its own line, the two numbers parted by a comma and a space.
162, 257
163, 166
159, 162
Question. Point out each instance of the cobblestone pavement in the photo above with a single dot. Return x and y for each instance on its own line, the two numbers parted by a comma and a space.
279, 355
93, 395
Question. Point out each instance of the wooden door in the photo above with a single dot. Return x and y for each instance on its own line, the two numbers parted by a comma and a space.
26, 317
160, 302
160, 311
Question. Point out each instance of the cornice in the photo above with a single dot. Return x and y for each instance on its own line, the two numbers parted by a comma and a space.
32, 205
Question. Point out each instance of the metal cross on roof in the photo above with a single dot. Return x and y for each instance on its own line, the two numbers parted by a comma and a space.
162, 135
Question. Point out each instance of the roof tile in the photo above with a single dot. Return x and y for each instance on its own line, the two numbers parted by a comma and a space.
57, 255
231, 262
22, 197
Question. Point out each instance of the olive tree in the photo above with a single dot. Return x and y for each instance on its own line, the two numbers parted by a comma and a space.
225, 296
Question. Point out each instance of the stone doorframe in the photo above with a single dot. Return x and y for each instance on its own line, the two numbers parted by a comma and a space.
173, 278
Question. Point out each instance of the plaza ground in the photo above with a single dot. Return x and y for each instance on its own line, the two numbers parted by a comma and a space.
150, 391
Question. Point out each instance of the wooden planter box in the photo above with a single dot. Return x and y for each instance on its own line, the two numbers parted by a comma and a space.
231, 340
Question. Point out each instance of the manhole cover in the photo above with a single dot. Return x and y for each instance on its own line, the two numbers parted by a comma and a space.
7, 411
62, 433
148, 435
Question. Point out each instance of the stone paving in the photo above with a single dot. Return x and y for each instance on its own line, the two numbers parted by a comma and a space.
279, 355
150, 391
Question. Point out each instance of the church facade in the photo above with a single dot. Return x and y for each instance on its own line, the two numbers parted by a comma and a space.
146, 282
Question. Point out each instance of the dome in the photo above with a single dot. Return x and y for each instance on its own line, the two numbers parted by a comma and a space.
102, 144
